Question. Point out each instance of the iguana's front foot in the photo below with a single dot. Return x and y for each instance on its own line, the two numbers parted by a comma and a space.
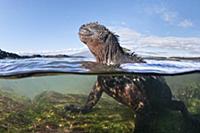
93, 98
76, 109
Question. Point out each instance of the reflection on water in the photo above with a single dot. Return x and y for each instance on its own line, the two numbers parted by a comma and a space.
36, 104
43, 66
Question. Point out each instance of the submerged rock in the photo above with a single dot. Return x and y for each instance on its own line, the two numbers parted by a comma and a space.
11, 106
104, 118
46, 114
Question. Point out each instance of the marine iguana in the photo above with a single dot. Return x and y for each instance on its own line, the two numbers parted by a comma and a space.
143, 94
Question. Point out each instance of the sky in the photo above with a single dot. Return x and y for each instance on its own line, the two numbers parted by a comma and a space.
50, 25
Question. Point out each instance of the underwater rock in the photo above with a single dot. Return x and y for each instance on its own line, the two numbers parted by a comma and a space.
10, 105
10, 102
104, 119
45, 114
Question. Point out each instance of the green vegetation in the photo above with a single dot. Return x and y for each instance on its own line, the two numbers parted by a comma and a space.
45, 113
191, 96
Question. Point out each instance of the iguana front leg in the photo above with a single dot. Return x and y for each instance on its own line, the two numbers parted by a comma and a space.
93, 98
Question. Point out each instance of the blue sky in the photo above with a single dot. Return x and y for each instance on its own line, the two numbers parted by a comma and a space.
47, 25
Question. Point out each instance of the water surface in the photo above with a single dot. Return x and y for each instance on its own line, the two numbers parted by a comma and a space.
37, 66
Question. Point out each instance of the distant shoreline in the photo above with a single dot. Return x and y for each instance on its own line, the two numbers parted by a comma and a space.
9, 55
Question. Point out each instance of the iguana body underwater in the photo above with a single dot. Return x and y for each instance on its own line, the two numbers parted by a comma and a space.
142, 94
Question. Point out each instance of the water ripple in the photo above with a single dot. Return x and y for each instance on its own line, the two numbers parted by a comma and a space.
44, 66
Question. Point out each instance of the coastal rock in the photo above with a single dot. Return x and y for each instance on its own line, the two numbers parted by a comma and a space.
4, 54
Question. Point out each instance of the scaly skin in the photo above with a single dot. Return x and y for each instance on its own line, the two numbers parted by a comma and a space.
143, 94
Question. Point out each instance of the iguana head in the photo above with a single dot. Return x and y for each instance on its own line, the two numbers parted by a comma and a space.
101, 42
93, 32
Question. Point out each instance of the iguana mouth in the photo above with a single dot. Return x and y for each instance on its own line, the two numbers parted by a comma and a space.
85, 32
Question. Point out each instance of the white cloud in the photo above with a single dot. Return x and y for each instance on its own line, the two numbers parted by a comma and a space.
162, 46
127, 33
170, 16
165, 14
186, 23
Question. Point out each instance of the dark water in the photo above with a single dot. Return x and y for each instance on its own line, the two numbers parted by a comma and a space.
33, 93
